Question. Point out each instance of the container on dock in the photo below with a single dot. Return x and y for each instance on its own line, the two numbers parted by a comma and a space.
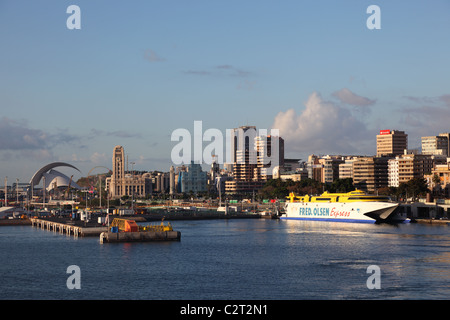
125, 230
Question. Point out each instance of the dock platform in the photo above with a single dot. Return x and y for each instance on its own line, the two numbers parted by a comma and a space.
139, 236
69, 227
433, 221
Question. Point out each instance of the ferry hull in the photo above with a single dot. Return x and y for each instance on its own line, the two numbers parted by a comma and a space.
366, 212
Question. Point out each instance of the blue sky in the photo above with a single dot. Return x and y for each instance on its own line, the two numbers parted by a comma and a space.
138, 70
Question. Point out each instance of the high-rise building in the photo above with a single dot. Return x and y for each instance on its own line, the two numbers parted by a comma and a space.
243, 155
269, 156
391, 143
254, 158
436, 145
242, 139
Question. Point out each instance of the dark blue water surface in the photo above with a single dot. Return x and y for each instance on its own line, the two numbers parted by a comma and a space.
233, 259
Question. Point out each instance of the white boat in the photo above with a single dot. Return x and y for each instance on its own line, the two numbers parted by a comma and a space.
354, 206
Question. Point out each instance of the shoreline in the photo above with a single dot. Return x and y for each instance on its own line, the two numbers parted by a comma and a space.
169, 216
15, 222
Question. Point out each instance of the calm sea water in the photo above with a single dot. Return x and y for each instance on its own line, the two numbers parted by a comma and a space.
233, 259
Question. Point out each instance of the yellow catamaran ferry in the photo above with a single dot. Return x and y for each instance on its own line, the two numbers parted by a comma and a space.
354, 206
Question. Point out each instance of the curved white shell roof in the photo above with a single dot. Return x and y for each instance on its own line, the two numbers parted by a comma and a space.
57, 179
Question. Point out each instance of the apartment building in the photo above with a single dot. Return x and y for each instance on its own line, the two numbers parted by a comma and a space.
370, 173
393, 176
346, 168
193, 179
442, 171
405, 167
436, 145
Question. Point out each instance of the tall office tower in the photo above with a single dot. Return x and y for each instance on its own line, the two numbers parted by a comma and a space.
269, 156
243, 153
242, 138
391, 142
244, 159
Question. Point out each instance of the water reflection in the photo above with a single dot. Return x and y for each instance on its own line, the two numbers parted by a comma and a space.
237, 259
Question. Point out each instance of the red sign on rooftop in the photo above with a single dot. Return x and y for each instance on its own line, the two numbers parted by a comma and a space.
385, 132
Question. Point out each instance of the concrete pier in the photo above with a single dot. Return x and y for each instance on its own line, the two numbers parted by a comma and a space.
68, 229
71, 229
140, 236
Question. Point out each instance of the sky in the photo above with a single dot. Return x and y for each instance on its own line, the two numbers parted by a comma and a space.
138, 70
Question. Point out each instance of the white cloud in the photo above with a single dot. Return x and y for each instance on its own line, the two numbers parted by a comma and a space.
323, 127
348, 97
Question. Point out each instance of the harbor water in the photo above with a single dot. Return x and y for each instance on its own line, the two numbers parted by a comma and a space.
243, 259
